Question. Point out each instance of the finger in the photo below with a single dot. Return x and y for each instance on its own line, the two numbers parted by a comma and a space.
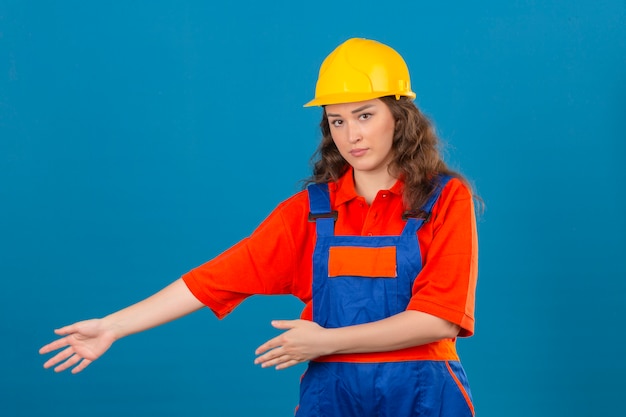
270, 344
287, 364
281, 362
268, 356
73, 360
275, 361
57, 344
84, 363
59, 357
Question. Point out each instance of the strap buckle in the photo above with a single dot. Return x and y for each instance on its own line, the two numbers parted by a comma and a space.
416, 214
331, 215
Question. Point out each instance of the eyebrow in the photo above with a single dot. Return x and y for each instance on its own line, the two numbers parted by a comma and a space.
360, 109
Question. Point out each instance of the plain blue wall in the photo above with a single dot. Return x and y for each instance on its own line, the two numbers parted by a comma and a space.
139, 140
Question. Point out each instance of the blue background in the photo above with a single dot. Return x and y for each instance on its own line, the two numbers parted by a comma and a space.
140, 139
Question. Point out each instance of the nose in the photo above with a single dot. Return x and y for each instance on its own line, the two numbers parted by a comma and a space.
354, 133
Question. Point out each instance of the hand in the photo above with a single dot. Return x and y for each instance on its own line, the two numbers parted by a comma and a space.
86, 341
304, 340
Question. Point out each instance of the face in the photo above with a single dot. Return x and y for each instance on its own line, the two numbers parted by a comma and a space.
363, 133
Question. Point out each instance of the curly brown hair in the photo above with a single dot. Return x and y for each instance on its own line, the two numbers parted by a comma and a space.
416, 156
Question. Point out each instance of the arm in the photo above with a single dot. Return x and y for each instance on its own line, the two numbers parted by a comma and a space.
86, 341
406, 329
305, 340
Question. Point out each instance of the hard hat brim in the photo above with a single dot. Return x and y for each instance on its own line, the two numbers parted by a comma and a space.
353, 97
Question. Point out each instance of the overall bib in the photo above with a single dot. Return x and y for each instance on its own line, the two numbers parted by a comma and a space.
360, 279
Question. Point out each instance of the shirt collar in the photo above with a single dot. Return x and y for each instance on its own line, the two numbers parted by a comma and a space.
345, 190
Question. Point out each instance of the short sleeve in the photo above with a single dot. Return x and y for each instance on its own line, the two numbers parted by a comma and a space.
265, 263
446, 285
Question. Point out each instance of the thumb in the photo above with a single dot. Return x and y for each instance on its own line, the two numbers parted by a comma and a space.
284, 324
72, 328
65, 330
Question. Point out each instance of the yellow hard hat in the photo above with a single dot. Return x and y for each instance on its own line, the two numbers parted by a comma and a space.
361, 69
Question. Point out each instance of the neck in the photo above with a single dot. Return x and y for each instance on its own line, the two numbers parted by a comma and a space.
367, 184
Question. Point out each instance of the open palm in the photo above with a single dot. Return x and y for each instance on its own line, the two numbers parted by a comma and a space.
84, 342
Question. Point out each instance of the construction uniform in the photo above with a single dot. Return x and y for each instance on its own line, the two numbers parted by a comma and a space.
366, 264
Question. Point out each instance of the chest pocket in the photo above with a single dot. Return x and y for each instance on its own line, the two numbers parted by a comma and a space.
362, 283
356, 261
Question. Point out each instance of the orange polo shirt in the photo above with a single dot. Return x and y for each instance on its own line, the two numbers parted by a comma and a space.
277, 257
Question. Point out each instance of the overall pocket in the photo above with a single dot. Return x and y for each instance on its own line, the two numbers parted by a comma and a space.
362, 285
362, 261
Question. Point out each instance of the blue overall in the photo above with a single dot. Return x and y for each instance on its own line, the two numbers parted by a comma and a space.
382, 389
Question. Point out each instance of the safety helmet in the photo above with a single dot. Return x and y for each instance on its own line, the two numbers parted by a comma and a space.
361, 69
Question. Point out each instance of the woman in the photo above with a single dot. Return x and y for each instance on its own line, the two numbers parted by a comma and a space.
381, 247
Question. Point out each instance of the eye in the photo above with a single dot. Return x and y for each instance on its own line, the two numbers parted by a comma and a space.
365, 116
336, 122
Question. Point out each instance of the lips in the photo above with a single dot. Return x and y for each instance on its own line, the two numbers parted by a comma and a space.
358, 152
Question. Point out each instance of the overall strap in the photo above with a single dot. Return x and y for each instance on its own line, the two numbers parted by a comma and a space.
320, 212
441, 183
417, 218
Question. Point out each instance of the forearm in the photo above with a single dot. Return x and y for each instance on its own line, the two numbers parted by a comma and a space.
407, 329
170, 303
